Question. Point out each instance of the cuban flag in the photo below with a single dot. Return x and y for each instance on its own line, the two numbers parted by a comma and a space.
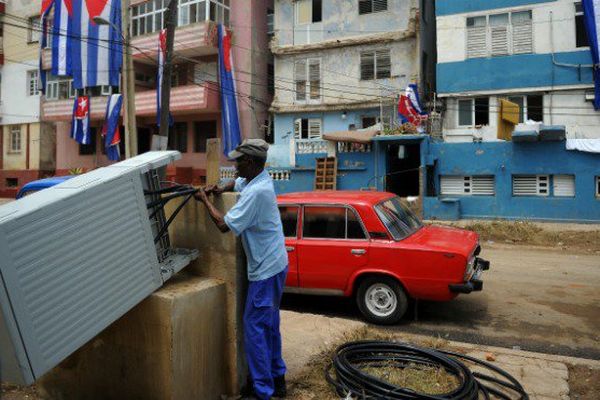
162, 54
410, 109
110, 130
95, 50
591, 15
46, 8
63, 11
229, 107
80, 128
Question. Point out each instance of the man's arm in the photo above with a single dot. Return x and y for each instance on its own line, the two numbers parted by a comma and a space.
216, 215
217, 189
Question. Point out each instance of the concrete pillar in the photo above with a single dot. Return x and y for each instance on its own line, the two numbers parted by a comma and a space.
220, 256
169, 347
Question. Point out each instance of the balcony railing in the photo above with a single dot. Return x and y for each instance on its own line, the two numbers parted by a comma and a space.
310, 146
184, 100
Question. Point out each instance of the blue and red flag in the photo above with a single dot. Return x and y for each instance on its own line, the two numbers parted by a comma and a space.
591, 14
95, 51
162, 56
80, 128
410, 109
110, 130
229, 112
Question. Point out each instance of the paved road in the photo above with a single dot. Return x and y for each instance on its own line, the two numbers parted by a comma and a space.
539, 300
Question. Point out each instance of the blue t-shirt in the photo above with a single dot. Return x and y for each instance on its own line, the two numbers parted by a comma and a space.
256, 218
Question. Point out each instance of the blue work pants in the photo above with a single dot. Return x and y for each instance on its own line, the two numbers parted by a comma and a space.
262, 339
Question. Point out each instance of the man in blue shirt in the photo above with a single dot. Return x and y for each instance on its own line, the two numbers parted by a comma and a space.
255, 218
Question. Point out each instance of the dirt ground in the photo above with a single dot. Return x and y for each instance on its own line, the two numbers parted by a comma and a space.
584, 382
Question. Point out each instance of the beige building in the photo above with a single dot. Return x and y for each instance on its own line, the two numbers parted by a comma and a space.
27, 146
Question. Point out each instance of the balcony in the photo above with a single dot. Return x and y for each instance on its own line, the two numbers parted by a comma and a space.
185, 100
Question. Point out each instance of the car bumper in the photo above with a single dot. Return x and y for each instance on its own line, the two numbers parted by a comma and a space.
474, 284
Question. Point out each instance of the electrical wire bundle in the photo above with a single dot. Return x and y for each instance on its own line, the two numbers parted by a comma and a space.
350, 381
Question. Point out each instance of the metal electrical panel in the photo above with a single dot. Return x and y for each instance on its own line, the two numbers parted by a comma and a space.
76, 257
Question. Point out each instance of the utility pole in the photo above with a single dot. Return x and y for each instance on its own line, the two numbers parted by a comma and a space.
128, 87
171, 23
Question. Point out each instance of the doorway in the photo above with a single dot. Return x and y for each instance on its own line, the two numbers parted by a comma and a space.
403, 162
144, 139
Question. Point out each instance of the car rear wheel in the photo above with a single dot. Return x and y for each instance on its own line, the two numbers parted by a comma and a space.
381, 300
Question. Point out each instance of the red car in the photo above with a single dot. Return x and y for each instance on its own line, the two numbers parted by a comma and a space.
370, 245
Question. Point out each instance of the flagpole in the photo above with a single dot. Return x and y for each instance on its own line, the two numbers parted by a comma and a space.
165, 91
128, 86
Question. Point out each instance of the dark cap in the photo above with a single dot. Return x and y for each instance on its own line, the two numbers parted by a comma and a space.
250, 147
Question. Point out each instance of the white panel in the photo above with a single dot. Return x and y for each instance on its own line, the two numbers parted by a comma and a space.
482, 185
499, 39
522, 38
564, 185
453, 185
476, 42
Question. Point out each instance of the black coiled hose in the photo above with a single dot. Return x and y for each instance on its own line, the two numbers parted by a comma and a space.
346, 375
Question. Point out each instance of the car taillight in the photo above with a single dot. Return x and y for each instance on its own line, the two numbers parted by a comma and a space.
470, 268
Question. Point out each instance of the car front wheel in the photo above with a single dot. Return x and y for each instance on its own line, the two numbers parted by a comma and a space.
381, 300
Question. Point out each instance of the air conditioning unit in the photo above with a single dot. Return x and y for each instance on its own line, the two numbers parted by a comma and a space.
79, 255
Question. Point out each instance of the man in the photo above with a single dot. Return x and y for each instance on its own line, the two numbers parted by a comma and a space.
255, 218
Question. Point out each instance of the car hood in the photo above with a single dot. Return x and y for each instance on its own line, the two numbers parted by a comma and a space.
446, 239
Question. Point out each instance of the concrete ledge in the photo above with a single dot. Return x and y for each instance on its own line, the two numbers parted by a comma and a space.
525, 136
171, 346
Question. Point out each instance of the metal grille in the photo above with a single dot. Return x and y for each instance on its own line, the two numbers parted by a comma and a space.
530, 185
482, 185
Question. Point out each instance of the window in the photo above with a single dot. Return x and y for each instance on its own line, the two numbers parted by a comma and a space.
481, 185
89, 149
34, 29
500, 34
15, 139
331, 223
32, 81
598, 186
270, 22
307, 76
563, 185
307, 128
369, 121
309, 11
371, 6
12, 182
375, 65
289, 220
149, 16
271, 78
399, 220
203, 130
103, 90
530, 107
59, 88
581, 39
531, 185
474, 112
178, 137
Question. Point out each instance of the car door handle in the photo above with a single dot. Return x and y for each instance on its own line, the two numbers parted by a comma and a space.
289, 248
358, 252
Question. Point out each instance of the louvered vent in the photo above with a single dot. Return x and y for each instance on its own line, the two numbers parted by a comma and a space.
522, 38
530, 185
453, 185
564, 185
476, 42
482, 185
499, 38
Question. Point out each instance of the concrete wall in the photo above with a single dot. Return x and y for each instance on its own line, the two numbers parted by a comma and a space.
504, 159
33, 148
341, 19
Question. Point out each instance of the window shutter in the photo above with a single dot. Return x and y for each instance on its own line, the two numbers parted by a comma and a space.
367, 66
499, 39
453, 184
300, 79
365, 6
476, 41
483, 185
314, 76
522, 32
384, 65
298, 129
314, 129
564, 185
379, 5
530, 185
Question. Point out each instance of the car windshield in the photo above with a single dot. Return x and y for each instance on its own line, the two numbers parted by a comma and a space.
400, 221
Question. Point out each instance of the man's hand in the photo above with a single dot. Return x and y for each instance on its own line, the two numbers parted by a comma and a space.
201, 196
214, 189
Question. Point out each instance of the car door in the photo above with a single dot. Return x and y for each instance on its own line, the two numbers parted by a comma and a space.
289, 220
333, 245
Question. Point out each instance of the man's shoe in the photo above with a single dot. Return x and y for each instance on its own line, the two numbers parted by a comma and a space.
280, 389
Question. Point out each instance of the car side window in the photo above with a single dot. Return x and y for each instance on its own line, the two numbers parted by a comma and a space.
324, 222
354, 229
289, 220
